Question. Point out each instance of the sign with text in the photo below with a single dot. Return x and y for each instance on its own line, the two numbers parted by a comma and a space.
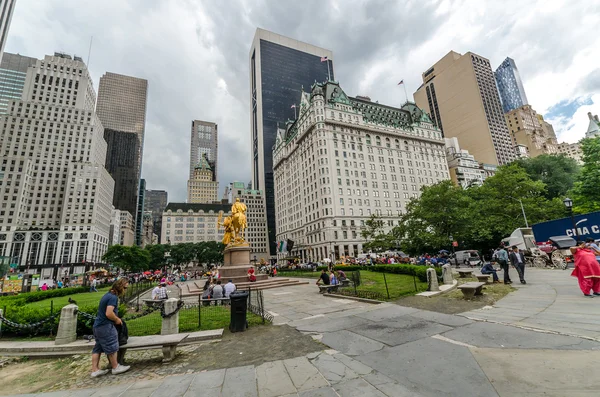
588, 225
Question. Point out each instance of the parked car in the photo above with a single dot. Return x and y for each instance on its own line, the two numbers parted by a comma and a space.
469, 258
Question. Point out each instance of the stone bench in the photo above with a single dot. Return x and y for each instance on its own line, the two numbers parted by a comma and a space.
471, 289
465, 273
218, 301
345, 283
327, 288
484, 278
168, 343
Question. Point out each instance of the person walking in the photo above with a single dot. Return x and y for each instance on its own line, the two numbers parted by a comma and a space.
587, 269
105, 331
502, 256
93, 285
518, 261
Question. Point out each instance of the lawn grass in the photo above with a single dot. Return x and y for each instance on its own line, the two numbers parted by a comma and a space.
212, 317
82, 299
398, 284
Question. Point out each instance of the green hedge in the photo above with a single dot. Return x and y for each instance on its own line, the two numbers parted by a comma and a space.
36, 296
419, 271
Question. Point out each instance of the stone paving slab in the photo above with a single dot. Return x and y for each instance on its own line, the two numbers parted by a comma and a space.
387, 313
240, 382
174, 386
357, 388
273, 380
304, 375
351, 343
503, 336
399, 331
206, 383
432, 368
333, 370
326, 324
441, 318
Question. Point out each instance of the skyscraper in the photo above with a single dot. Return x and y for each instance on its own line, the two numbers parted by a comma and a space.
528, 129
13, 70
204, 141
256, 219
460, 94
280, 67
56, 194
156, 202
202, 188
139, 223
6, 11
122, 110
510, 86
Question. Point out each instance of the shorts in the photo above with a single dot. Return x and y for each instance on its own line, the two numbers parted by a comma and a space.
107, 339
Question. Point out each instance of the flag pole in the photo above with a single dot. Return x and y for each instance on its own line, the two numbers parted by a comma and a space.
405, 94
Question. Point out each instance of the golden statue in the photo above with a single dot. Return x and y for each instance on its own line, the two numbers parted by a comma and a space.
235, 224
228, 236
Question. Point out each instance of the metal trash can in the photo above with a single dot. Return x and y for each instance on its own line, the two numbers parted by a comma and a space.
239, 305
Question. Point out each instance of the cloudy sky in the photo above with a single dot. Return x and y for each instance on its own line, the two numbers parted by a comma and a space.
194, 54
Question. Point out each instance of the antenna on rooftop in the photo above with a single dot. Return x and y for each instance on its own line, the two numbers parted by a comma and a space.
89, 52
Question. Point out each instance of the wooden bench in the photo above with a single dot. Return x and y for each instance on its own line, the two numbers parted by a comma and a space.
484, 278
325, 288
471, 289
464, 273
168, 343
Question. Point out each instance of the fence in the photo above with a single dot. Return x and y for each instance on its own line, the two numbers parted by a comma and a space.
135, 290
380, 286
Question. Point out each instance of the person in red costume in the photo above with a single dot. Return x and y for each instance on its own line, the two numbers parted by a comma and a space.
587, 269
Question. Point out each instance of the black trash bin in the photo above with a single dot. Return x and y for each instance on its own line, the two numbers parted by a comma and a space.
239, 305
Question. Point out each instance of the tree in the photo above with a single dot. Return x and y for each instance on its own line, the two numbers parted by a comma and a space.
496, 209
157, 255
558, 173
377, 238
440, 212
586, 192
182, 254
130, 259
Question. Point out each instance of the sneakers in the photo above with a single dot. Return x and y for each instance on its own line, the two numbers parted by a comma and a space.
588, 295
120, 369
596, 293
100, 372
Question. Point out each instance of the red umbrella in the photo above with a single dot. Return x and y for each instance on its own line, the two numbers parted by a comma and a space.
157, 272
147, 272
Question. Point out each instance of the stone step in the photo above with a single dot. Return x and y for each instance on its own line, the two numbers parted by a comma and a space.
258, 285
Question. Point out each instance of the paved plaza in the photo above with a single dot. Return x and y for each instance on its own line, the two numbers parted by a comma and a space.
391, 350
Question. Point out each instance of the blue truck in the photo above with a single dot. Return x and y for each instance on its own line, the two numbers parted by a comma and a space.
587, 225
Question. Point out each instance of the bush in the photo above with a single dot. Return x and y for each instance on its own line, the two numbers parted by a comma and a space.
29, 297
419, 271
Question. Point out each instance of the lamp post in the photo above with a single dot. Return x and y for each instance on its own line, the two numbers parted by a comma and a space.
569, 205
522, 209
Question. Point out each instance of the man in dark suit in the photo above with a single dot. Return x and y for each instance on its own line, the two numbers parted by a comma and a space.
518, 261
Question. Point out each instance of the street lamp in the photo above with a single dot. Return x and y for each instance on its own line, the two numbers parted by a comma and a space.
569, 205
522, 209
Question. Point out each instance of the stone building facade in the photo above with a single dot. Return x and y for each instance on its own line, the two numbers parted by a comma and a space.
531, 131
256, 218
345, 159
192, 223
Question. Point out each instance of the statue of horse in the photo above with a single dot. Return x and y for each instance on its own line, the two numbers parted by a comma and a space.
239, 224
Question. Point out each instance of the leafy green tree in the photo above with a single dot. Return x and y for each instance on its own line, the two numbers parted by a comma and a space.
130, 259
440, 212
375, 235
558, 173
157, 255
496, 210
586, 192
182, 254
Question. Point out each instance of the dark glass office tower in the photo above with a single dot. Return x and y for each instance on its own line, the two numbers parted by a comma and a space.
139, 222
280, 68
510, 86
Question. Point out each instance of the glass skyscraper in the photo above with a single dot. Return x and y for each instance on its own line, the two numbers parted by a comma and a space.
510, 86
280, 68
13, 70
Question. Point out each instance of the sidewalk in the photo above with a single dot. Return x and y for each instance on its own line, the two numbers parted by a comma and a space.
550, 301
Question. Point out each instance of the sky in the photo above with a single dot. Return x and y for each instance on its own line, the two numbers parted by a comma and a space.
194, 54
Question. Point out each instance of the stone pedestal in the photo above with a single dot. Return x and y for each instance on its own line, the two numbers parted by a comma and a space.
170, 325
432, 280
447, 274
67, 326
236, 263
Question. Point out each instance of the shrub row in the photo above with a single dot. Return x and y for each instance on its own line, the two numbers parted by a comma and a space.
36, 296
419, 271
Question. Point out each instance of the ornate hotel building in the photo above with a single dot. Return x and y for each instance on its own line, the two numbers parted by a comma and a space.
55, 193
345, 159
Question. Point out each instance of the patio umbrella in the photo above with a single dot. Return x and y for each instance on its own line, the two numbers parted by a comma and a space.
157, 272
147, 272
326, 260
444, 252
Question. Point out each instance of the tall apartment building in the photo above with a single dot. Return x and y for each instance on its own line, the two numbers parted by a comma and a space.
593, 127
510, 86
55, 194
202, 188
127, 229
256, 219
193, 223
114, 236
204, 142
345, 159
279, 68
139, 221
463, 168
528, 130
459, 93
156, 202
13, 70
571, 150
122, 110
7, 7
